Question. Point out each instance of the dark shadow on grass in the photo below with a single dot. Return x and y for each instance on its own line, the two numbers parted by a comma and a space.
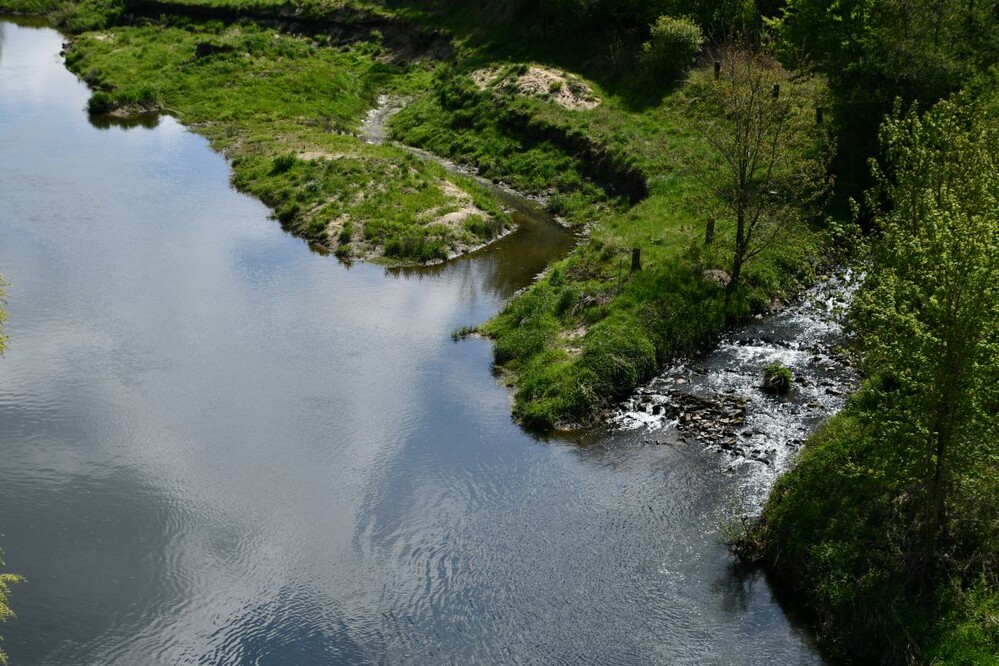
609, 58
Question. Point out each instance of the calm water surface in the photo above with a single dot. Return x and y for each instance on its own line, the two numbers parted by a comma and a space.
218, 447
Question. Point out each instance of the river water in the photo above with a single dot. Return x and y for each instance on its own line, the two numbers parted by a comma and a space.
218, 447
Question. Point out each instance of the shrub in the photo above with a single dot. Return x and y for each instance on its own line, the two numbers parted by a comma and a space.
283, 163
672, 47
346, 233
287, 213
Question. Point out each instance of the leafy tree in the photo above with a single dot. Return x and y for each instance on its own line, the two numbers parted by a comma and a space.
873, 51
764, 131
928, 319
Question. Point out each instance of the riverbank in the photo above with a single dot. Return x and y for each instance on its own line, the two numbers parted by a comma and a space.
889, 524
835, 532
634, 171
593, 328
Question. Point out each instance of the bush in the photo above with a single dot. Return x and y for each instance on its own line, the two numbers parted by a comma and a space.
672, 47
283, 163
346, 233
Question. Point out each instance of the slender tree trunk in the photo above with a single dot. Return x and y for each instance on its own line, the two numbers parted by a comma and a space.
945, 416
738, 256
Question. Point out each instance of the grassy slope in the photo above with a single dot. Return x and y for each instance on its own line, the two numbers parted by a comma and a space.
836, 528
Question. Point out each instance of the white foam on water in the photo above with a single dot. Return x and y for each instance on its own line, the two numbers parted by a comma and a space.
805, 338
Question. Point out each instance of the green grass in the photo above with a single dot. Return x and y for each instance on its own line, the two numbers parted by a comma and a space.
838, 527
587, 333
30, 7
283, 108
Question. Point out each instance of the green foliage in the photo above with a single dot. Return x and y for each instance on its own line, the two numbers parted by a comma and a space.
100, 102
6, 580
280, 107
929, 316
889, 524
838, 528
282, 163
30, 7
90, 15
673, 45
873, 52
777, 378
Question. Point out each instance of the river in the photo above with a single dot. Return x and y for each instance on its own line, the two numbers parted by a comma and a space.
219, 447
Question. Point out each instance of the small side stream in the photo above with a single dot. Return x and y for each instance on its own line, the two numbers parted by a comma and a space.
717, 402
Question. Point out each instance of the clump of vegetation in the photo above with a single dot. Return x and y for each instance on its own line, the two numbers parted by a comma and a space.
6, 580
889, 524
463, 332
777, 378
282, 163
673, 46
283, 110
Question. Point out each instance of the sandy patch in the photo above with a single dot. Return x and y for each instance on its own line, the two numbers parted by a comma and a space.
543, 83
320, 155
483, 78
445, 215
572, 341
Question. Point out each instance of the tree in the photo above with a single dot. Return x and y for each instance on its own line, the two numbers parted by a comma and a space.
673, 45
928, 319
873, 51
764, 130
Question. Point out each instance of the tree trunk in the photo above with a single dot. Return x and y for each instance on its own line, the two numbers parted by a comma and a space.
738, 257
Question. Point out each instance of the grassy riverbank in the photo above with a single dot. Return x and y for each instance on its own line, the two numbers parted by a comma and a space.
840, 529
285, 110
591, 329
623, 155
